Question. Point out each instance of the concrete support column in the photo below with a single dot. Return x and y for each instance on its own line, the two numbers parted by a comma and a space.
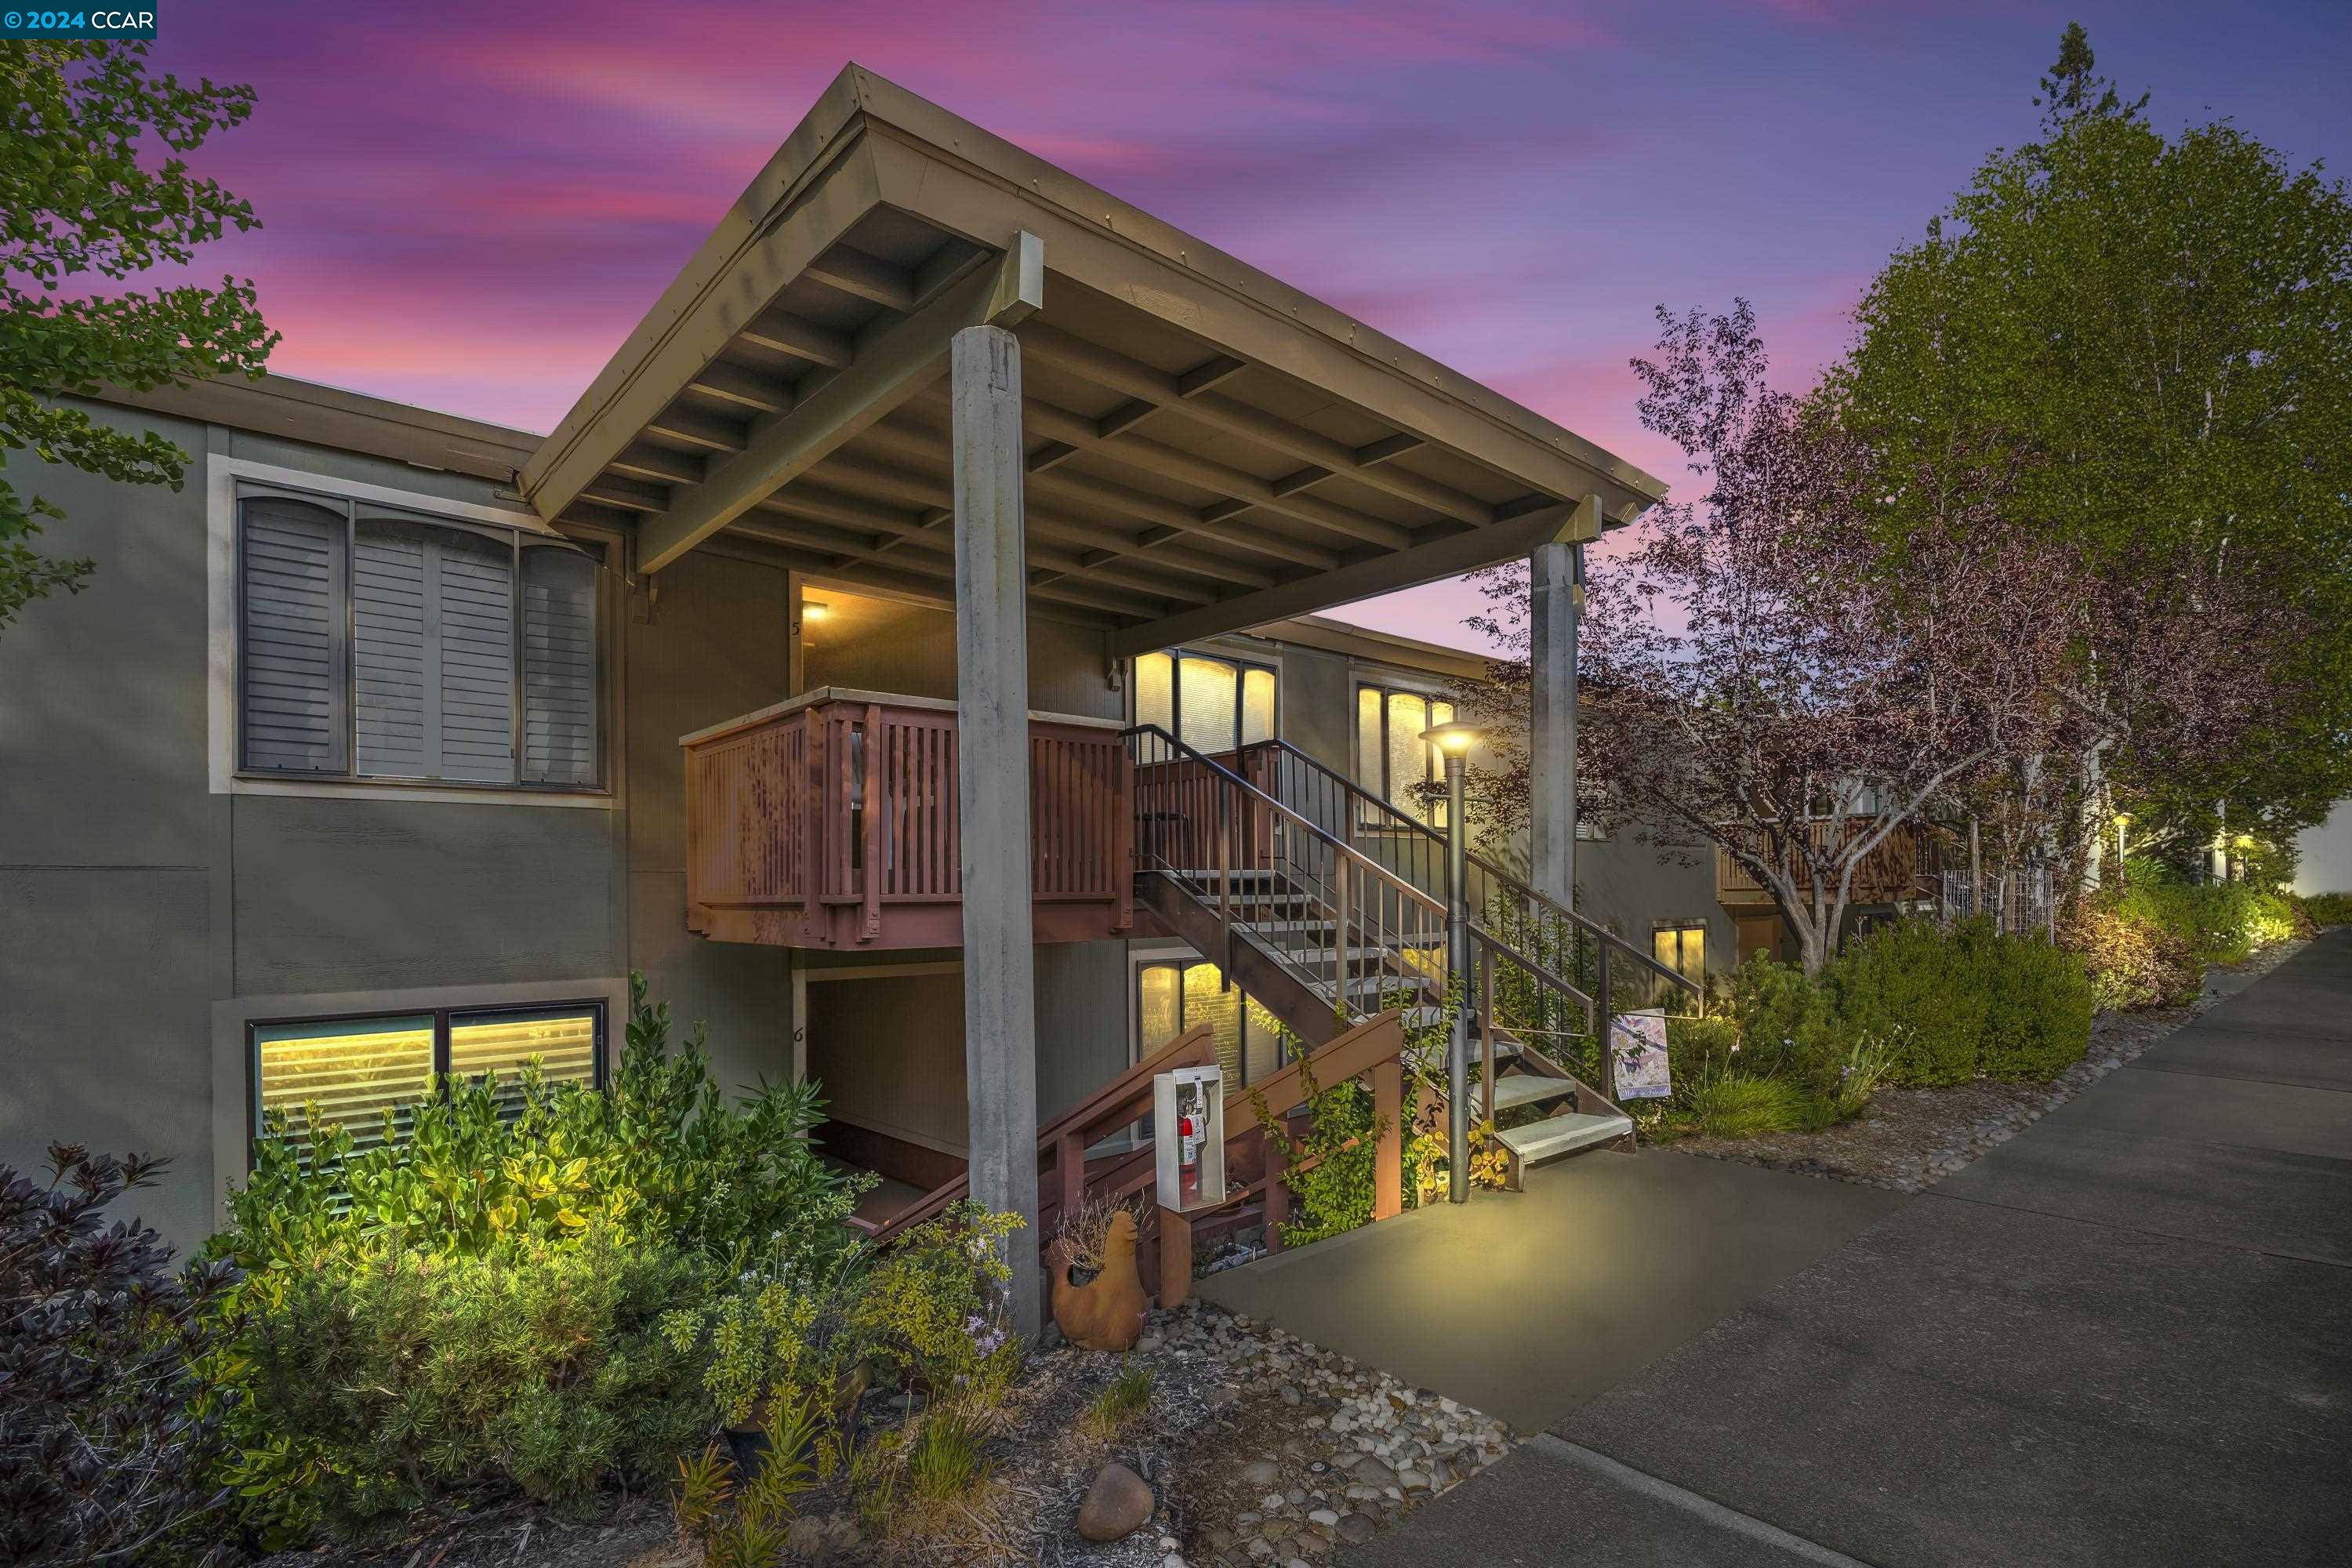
1552, 758
999, 1001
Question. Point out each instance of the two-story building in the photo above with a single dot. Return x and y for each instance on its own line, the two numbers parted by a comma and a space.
905, 654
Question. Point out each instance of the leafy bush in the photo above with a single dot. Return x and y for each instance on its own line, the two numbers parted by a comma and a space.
1921, 989
1788, 1026
479, 1298
2132, 961
2329, 909
105, 1441
932, 1309
662, 1154
537, 1361
2038, 1020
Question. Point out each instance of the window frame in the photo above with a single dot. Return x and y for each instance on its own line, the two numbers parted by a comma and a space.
1180, 961
1362, 680
442, 1016
1681, 928
1242, 664
230, 480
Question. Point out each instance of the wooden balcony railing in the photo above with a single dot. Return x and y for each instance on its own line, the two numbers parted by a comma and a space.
1892, 873
830, 821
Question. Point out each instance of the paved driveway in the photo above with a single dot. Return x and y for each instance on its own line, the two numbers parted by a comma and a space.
2123, 1338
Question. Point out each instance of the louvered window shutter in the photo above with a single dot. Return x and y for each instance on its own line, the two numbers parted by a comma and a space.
293, 658
559, 667
395, 709
476, 596
433, 654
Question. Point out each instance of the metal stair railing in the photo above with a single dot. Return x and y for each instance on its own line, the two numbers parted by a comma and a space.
1275, 877
1541, 974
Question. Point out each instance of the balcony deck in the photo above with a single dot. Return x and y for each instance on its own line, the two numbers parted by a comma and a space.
830, 821
1893, 873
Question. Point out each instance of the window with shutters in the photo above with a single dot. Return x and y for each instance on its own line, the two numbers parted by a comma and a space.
383, 645
367, 1074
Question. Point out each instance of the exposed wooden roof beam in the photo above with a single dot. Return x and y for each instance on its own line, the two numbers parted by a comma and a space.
891, 362
1107, 368
929, 443
789, 335
1442, 555
867, 481
853, 271
942, 568
610, 489
693, 429
657, 464
734, 384
1152, 457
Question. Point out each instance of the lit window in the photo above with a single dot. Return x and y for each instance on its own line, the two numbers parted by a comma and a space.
1683, 949
385, 647
1392, 759
1212, 704
352, 1071
1180, 995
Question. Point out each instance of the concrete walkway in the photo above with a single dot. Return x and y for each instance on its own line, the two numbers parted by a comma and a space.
1524, 1305
2123, 1338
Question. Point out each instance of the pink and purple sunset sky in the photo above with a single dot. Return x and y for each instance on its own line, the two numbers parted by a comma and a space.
468, 208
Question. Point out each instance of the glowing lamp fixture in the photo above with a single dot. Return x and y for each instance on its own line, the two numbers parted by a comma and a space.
812, 611
1456, 738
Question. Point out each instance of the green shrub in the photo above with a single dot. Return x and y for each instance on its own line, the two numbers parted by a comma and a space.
2329, 909
2132, 961
479, 1300
539, 1361
933, 1308
1788, 1026
1701, 1045
2038, 1020
1921, 991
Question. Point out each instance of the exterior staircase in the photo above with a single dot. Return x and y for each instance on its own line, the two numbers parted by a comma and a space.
1329, 904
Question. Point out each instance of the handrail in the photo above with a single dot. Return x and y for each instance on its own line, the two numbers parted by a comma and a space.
1114, 1102
1329, 840
1544, 902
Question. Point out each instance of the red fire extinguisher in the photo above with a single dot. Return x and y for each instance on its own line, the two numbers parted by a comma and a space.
1188, 1160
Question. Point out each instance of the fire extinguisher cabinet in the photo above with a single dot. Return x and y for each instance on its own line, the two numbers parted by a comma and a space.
1188, 1128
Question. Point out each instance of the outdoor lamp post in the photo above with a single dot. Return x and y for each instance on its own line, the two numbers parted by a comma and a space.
1453, 742
2123, 847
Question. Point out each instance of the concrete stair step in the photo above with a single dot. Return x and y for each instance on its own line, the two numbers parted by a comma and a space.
1526, 1089
1540, 1142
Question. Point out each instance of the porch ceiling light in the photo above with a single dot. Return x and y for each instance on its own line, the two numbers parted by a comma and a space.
1456, 738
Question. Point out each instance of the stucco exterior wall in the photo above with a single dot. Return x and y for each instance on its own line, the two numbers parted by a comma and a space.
145, 917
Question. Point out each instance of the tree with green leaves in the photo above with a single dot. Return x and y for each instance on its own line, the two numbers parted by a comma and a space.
82, 199
2155, 328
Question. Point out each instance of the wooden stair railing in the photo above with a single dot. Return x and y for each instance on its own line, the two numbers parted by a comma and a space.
1066, 1177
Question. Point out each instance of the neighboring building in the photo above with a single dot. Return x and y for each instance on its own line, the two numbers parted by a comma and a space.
362, 757
2323, 855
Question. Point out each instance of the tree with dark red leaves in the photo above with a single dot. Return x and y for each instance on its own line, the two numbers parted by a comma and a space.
103, 1449
1757, 672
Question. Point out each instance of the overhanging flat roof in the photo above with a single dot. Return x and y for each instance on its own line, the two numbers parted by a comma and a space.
1208, 449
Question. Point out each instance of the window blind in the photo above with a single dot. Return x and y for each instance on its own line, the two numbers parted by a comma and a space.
559, 665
